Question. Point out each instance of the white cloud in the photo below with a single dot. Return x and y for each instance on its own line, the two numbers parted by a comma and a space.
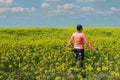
17, 9
52, 0
45, 5
5, 6
103, 12
22, 9
90, 0
67, 6
32, 9
114, 9
6, 3
87, 9
71, 9
2, 10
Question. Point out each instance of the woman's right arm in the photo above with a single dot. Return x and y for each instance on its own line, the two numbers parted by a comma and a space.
70, 41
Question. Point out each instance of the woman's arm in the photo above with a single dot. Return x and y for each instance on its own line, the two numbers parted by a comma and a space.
88, 43
70, 41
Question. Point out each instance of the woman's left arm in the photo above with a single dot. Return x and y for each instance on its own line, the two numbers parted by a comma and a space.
88, 43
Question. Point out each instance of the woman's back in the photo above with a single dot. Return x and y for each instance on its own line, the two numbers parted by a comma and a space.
79, 41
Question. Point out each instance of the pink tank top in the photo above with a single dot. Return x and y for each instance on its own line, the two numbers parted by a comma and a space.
79, 39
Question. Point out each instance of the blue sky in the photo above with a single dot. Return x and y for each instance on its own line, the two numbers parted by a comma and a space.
20, 13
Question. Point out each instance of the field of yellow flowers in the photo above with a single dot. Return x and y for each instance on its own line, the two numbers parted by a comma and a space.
40, 54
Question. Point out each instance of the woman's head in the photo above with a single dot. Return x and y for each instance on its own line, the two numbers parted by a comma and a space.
79, 28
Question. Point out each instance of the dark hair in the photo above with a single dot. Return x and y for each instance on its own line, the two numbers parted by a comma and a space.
79, 27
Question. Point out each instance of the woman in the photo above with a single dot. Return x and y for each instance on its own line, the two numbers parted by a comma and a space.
79, 38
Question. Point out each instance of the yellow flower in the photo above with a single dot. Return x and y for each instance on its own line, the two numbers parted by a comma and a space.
38, 78
71, 76
104, 68
41, 69
117, 74
45, 71
18, 58
48, 77
1, 77
10, 66
117, 69
89, 68
112, 73
69, 71
98, 69
79, 77
57, 78
94, 75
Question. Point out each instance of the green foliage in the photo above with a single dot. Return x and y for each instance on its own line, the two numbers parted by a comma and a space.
40, 54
